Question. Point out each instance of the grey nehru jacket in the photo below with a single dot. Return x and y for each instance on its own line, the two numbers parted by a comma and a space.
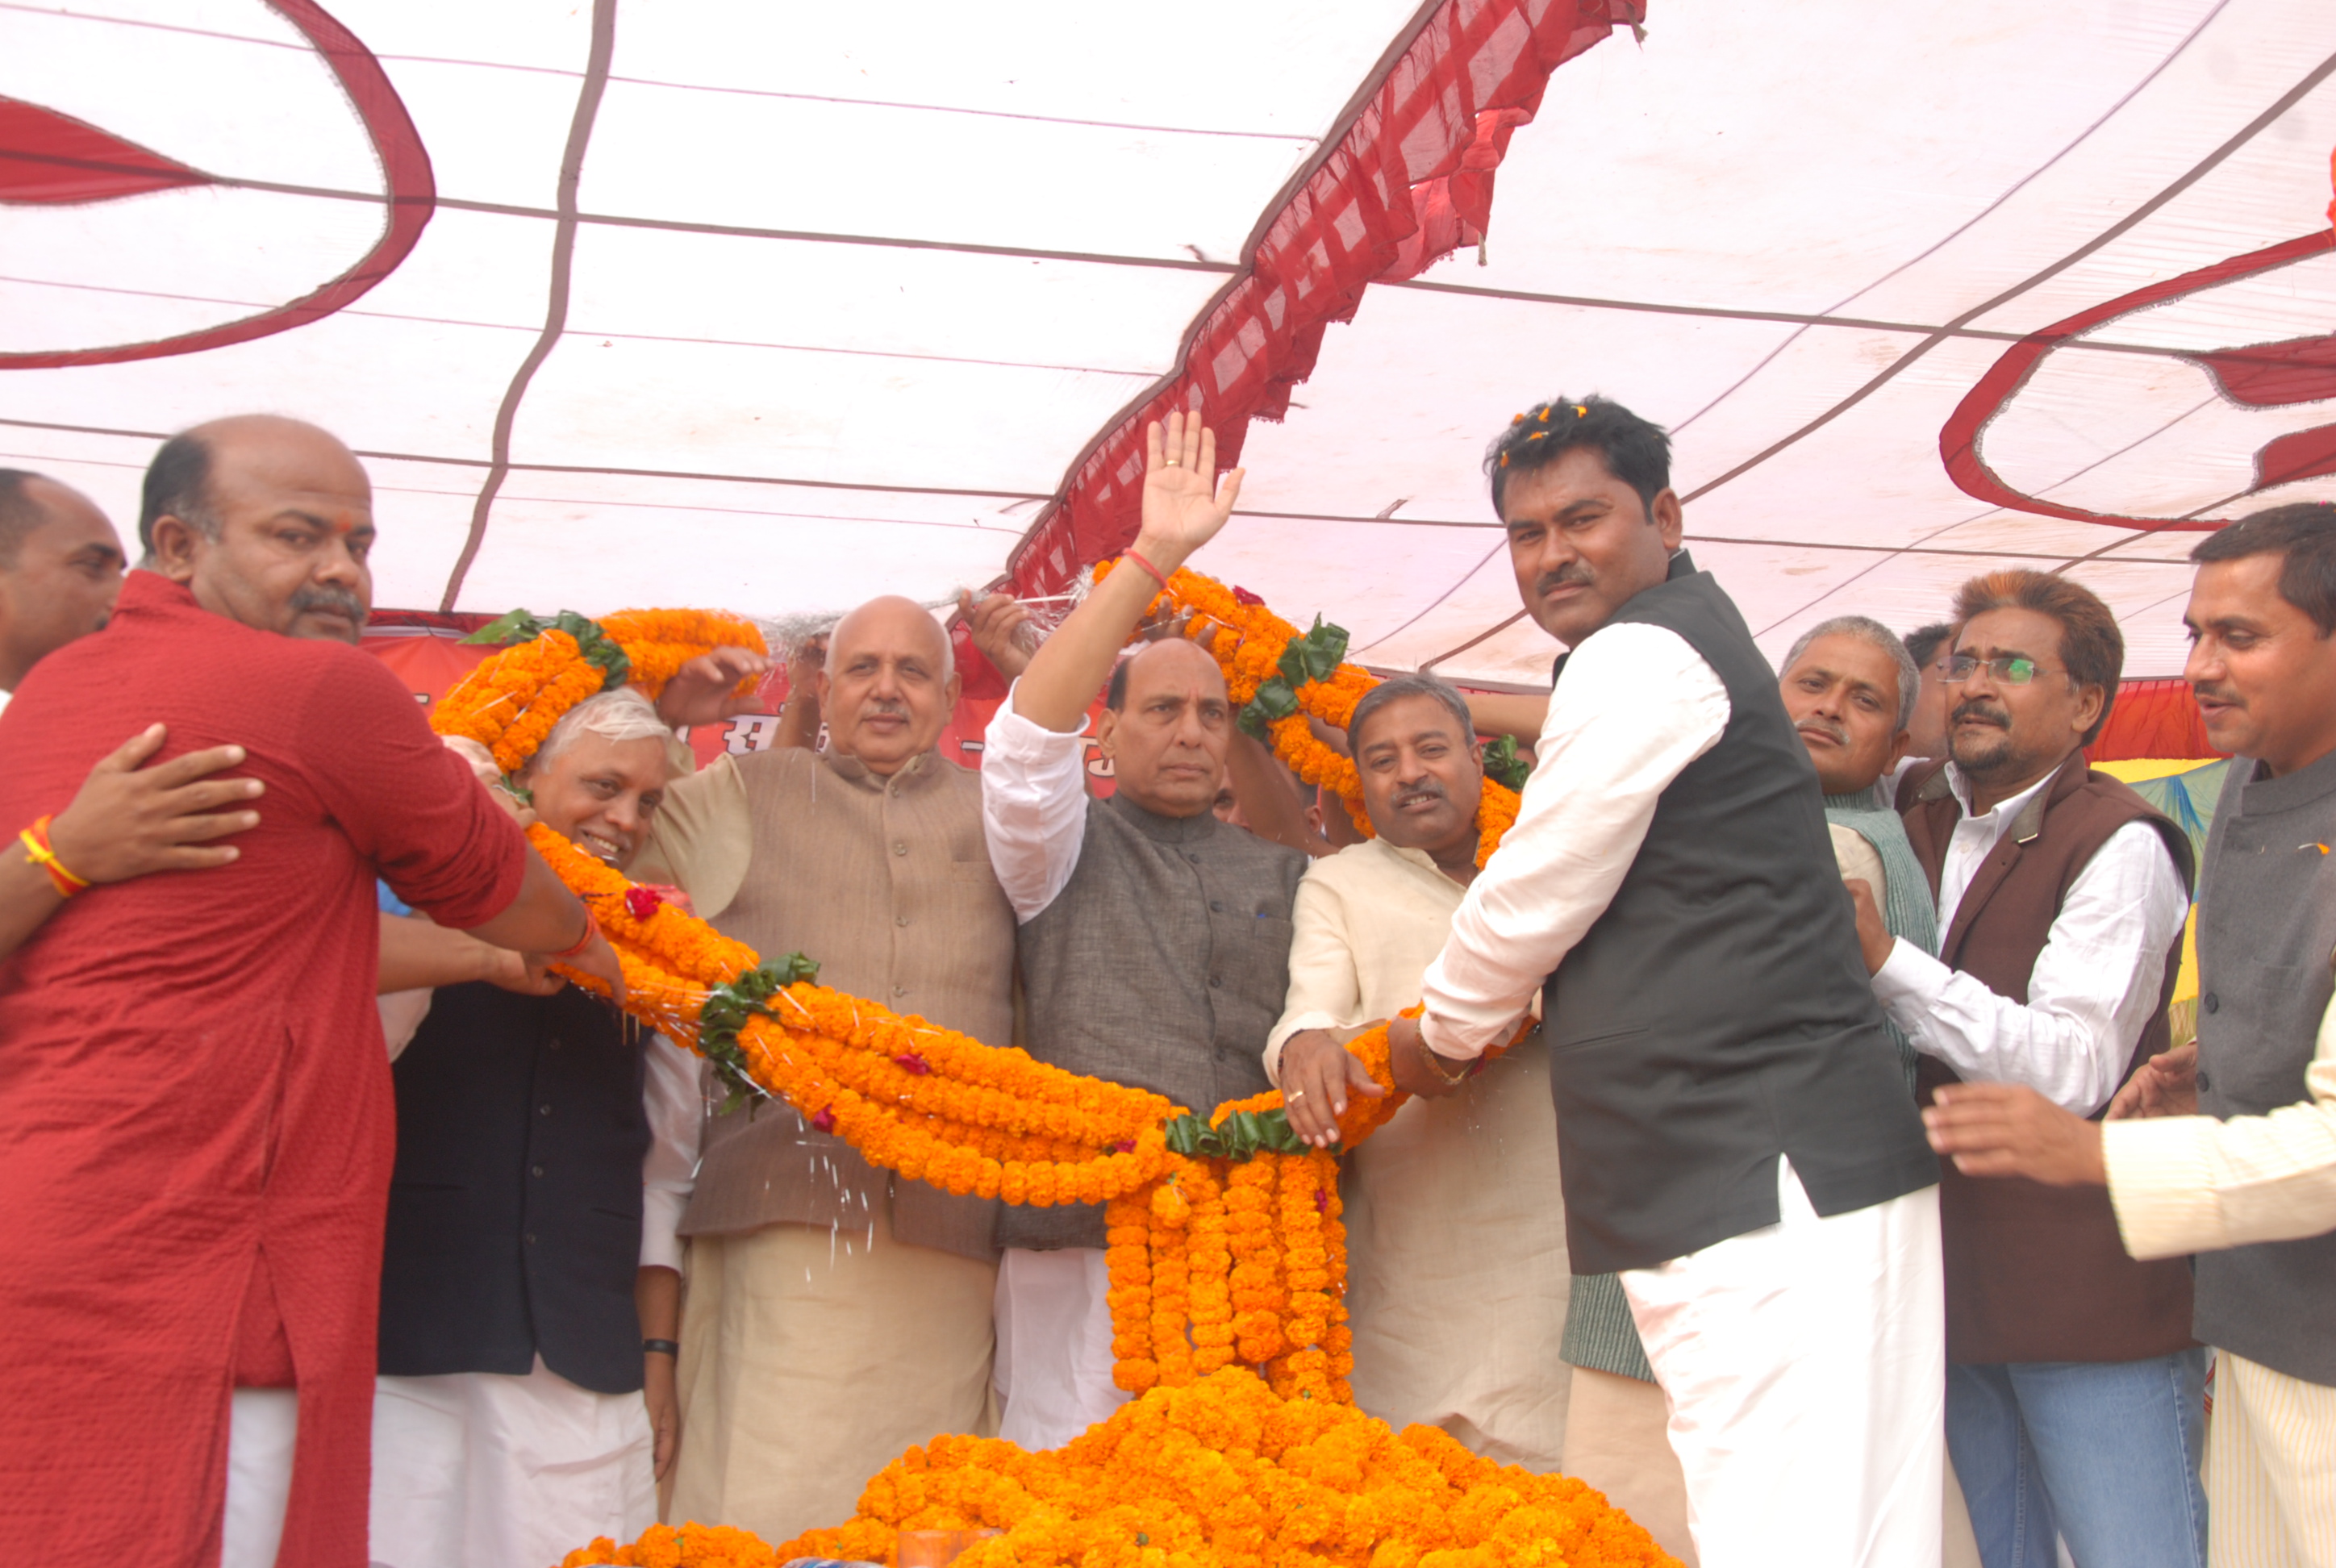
2266, 940
887, 883
1162, 963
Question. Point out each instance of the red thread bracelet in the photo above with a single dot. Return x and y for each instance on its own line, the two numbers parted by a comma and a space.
592, 929
1138, 559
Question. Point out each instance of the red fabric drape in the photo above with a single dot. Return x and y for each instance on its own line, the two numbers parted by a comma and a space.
1410, 181
2152, 718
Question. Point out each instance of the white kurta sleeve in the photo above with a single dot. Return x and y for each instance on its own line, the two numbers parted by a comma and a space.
1636, 706
675, 1110
1033, 806
2194, 1184
1325, 990
2090, 995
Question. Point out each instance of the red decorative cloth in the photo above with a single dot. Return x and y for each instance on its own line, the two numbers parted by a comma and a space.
195, 1119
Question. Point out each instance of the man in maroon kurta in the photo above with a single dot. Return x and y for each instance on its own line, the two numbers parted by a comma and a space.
196, 1118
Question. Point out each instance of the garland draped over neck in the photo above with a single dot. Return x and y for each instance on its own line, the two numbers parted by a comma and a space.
1225, 1241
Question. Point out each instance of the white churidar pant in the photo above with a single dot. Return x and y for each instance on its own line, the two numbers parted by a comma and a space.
485, 1470
262, 1427
1053, 1373
2270, 1469
1805, 1367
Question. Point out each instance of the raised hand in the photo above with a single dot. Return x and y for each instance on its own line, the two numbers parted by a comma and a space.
1184, 501
993, 624
701, 691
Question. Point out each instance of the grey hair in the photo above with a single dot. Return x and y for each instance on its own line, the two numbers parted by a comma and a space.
618, 715
1868, 630
1395, 688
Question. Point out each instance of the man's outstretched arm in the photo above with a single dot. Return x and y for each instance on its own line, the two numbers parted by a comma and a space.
1636, 706
126, 820
2179, 1183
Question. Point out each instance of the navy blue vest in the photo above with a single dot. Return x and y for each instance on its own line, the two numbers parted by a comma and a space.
1719, 1014
515, 1207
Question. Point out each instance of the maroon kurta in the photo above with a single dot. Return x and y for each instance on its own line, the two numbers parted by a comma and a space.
195, 1119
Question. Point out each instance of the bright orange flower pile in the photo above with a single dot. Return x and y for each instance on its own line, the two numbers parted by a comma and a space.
1213, 1262
1247, 640
1223, 1474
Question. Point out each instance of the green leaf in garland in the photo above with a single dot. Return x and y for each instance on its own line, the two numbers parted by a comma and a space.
1314, 655
519, 626
1274, 700
596, 646
1504, 765
1241, 1136
728, 1010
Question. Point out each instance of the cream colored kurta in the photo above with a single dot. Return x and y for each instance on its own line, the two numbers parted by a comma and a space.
2196, 1184
832, 1315
2193, 1184
1457, 1275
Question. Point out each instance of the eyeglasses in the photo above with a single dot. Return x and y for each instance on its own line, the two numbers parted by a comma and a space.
2012, 669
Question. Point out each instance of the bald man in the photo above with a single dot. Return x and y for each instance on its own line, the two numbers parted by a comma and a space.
198, 1097
836, 1314
1155, 940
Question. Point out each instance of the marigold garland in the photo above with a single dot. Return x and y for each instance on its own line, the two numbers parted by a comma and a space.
1210, 1259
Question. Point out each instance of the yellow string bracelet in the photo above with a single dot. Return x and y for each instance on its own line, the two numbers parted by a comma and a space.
36, 845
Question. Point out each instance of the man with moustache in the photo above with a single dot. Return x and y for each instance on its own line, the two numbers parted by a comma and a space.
2073, 1391
1448, 1331
528, 1327
2209, 1149
1738, 1143
1851, 687
194, 1087
1154, 938
837, 1313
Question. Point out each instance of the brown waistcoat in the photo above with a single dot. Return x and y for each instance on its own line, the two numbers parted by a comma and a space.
887, 883
2038, 1273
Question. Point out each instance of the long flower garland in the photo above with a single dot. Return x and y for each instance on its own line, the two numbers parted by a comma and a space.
1225, 1241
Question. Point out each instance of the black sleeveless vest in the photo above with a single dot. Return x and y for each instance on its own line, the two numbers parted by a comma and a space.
2266, 945
515, 1206
1719, 1014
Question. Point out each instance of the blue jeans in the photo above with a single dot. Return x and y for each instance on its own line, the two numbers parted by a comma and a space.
2104, 1454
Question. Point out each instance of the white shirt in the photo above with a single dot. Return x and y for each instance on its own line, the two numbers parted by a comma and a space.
1636, 706
1033, 806
2094, 985
2195, 1184
674, 1103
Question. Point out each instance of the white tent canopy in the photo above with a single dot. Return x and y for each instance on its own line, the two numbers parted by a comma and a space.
772, 308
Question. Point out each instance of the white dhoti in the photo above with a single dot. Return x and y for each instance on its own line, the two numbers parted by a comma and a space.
1053, 1375
812, 1358
485, 1470
262, 1426
1805, 1368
